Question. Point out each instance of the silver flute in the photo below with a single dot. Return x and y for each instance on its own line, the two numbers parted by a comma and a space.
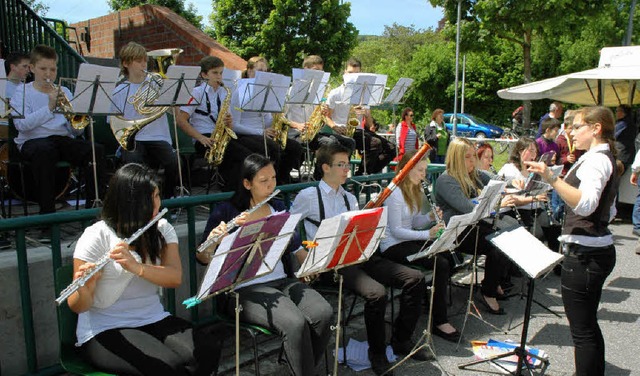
232, 223
434, 211
104, 260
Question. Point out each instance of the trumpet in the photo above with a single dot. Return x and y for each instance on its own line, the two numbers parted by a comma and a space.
64, 105
104, 260
232, 224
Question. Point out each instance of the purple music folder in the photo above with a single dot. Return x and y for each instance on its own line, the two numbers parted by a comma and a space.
237, 267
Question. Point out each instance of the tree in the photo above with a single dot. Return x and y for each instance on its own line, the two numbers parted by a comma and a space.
189, 12
285, 31
38, 6
519, 21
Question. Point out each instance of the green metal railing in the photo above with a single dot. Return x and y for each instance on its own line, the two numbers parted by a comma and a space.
21, 29
85, 217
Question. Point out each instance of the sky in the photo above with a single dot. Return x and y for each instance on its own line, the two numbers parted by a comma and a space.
369, 16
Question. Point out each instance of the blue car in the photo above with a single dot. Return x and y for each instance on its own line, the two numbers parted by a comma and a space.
472, 126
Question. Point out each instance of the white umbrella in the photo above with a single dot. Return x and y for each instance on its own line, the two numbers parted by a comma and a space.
614, 82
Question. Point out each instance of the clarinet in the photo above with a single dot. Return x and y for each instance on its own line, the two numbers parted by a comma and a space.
434, 211
547, 208
232, 224
104, 260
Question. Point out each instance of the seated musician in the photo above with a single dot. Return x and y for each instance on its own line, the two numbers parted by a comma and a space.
455, 190
152, 144
255, 131
368, 279
200, 121
122, 325
530, 208
17, 68
44, 137
406, 234
276, 301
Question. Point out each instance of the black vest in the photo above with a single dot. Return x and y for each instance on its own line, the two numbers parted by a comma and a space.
596, 223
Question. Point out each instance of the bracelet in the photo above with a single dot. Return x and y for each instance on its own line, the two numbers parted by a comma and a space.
553, 179
141, 270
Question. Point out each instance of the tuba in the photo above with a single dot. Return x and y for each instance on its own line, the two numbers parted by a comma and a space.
165, 57
66, 108
280, 125
221, 134
125, 130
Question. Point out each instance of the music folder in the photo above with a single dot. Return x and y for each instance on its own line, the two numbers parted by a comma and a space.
248, 253
349, 238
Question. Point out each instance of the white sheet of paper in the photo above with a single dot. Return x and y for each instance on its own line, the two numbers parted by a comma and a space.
3, 80
398, 91
265, 93
363, 88
230, 78
213, 269
279, 245
308, 86
488, 199
524, 249
171, 85
447, 240
85, 83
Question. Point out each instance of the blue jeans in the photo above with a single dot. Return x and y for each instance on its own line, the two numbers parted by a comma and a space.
584, 271
557, 206
635, 216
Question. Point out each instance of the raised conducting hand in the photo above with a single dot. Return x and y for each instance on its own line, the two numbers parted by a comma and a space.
540, 168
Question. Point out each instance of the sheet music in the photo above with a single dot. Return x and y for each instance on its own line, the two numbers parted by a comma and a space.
82, 95
398, 91
524, 249
230, 78
265, 93
333, 234
364, 88
308, 86
488, 199
280, 243
172, 84
3, 81
447, 240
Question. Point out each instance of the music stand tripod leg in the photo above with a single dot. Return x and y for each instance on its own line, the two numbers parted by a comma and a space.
96, 202
338, 326
237, 310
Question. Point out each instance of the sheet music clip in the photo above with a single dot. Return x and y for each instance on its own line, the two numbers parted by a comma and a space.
308, 86
364, 89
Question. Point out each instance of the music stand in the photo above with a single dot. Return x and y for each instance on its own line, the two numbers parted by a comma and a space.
307, 89
230, 78
364, 89
395, 97
265, 93
176, 90
92, 96
344, 240
534, 261
250, 252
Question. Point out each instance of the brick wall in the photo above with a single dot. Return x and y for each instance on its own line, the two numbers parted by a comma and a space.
154, 27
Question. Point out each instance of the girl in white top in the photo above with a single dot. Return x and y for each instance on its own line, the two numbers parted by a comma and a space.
406, 234
122, 325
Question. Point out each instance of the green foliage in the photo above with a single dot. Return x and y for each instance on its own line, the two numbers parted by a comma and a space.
189, 12
38, 6
285, 31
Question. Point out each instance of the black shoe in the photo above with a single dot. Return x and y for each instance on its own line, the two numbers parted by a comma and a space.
380, 364
451, 337
406, 347
499, 311
557, 270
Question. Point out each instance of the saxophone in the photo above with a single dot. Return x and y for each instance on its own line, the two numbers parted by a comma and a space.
316, 121
280, 125
221, 134
125, 130
352, 121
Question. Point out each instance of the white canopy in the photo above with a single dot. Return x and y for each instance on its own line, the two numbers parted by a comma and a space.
615, 81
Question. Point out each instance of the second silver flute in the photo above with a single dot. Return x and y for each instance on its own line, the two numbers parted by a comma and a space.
232, 223
103, 261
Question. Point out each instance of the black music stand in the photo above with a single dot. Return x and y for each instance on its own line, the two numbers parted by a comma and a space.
307, 89
176, 90
92, 96
536, 260
265, 93
364, 89
250, 252
395, 97
344, 240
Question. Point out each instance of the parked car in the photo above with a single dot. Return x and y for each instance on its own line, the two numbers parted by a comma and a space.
472, 126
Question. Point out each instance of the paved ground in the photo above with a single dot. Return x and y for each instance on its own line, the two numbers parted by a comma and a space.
619, 313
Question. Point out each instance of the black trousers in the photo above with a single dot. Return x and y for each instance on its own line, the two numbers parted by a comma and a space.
156, 154
232, 160
377, 151
44, 153
369, 280
584, 271
399, 252
284, 160
167, 347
